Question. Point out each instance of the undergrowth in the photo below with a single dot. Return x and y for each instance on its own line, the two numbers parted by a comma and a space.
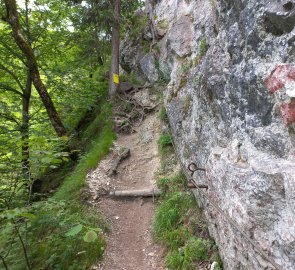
61, 232
96, 150
179, 224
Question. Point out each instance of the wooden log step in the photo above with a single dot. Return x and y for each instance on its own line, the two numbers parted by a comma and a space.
151, 192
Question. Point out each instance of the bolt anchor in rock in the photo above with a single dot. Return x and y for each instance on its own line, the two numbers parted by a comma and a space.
192, 167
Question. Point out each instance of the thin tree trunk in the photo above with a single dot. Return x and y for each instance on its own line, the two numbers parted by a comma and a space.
25, 130
24, 45
4, 263
28, 266
153, 27
114, 74
98, 46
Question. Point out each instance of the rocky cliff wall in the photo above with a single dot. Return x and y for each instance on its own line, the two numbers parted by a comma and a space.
231, 105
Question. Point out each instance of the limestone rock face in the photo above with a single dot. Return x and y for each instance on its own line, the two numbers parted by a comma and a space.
130, 55
148, 67
230, 102
180, 36
280, 17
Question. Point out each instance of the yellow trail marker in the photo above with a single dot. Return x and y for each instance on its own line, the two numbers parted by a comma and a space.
116, 78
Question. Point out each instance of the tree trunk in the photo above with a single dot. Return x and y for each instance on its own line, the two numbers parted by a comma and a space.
153, 27
25, 130
24, 45
114, 74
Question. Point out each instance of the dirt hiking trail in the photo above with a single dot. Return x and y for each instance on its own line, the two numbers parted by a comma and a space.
129, 243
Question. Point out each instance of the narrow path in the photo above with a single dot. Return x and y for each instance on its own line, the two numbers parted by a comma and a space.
129, 244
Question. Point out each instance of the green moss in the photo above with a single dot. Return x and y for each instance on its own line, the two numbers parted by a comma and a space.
186, 105
137, 26
163, 24
203, 47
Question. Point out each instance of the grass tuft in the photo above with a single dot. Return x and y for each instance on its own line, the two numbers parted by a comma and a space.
179, 223
169, 215
203, 47
163, 115
165, 143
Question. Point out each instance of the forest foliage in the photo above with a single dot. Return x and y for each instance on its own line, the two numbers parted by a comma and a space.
43, 223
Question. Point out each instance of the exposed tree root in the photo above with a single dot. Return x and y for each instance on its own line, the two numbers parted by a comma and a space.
124, 153
129, 112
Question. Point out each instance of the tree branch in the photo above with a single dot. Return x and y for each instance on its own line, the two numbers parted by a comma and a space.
4, 263
12, 75
13, 52
10, 118
25, 47
5, 87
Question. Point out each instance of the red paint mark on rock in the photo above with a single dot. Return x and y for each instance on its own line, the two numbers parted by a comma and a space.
279, 76
288, 112
291, 74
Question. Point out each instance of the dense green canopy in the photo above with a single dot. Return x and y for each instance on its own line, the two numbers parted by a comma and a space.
54, 71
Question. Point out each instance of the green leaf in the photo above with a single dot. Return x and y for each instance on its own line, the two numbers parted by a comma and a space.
9, 214
46, 160
99, 230
56, 161
90, 236
75, 230
27, 215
